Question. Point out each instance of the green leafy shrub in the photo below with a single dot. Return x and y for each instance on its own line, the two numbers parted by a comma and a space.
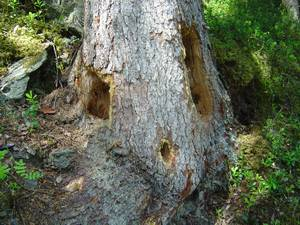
14, 4
272, 187
254, 186
40, 5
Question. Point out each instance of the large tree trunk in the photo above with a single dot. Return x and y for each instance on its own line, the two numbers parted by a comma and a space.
293, 7
148, 82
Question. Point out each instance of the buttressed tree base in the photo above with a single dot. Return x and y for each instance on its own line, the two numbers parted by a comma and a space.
147, 78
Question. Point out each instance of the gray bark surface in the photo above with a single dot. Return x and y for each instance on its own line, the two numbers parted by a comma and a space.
147, 81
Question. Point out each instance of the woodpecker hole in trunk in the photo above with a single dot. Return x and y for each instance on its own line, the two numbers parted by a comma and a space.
98, 103
199, 85
167, 152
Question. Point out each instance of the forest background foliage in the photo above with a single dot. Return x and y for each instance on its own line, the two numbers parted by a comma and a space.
26, 28
256, 44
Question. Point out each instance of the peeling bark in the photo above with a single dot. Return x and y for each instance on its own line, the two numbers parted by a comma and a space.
148, 81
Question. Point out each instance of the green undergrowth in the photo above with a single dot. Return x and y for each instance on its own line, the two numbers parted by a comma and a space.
267, 173
24, 30
14, 177
256, 45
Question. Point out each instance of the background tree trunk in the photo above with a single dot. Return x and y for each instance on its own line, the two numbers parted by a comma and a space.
147, 81
293, 7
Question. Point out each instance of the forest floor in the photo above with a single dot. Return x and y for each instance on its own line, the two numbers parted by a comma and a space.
56, 133
59, 129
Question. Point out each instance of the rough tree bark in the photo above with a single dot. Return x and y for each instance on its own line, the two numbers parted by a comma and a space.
146, 78
293, 7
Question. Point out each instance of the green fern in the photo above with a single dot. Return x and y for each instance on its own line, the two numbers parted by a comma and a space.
33, 175
21, 170
4, 171
3, 153
14, 186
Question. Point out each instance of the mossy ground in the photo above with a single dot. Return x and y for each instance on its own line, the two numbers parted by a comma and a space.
253, 146
25, 30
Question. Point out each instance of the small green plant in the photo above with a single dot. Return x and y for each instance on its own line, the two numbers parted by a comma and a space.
14, 5
39, 4
21, 170
276, 180
40, 7
254, 186
13, 173
31, 17
30, 114
4, 168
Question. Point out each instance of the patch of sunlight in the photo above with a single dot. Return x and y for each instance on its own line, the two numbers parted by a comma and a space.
25, 41
263, 65
253, 146
219, 9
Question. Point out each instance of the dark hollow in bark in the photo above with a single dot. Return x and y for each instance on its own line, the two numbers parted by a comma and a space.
98, 100
167, 153
199, 86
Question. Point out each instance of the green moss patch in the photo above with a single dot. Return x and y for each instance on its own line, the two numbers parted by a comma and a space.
24, 31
